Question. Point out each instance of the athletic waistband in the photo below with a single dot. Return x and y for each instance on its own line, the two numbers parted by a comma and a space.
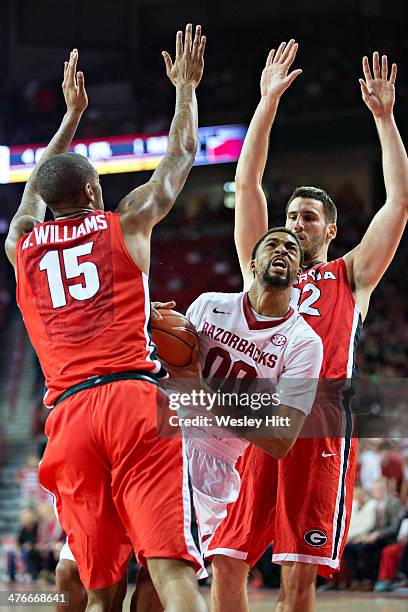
97, 381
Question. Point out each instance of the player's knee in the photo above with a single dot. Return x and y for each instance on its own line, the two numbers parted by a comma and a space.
229, 572
67, 576
167, 573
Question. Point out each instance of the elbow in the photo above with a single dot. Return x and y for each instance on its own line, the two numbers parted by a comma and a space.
282, 449
244, 183
190, 146
400, 202
276, 447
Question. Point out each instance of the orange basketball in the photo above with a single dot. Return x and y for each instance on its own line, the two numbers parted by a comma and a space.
175, 337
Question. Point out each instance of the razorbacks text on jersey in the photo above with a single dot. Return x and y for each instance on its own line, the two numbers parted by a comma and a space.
236, 344
85, 303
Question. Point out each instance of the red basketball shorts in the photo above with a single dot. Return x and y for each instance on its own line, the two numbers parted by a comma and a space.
301, 504
117, 485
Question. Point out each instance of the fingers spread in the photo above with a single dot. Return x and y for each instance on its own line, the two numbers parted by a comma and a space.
364, 88
288, 49
376, 65
384, 67
393, 75
292, 54
202, 48
167, 61
196, 42
292, 76
279, 52
179, 44
188, 38
366, 69
269, 59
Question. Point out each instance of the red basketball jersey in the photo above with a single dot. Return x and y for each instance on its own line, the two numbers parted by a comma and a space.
85, 303
323, 296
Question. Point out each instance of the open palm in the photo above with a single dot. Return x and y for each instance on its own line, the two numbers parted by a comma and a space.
275, 77
377, 89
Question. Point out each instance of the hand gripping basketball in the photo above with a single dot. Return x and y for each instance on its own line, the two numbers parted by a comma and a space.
175, 337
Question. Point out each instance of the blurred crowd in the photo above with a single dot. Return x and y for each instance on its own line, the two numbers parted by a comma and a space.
33, 552
126, 98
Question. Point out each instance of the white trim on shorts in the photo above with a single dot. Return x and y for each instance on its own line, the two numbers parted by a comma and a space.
66, 553
334, 563
187, 503
227, 552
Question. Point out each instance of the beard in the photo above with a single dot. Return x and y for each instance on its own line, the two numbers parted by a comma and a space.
312, 249
274, 280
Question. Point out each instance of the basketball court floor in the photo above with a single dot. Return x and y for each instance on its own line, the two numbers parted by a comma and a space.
264, 601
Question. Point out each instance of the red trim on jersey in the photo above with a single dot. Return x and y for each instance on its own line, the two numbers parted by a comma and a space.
253, 322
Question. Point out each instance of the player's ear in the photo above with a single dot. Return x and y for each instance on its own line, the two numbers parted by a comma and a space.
89, 192
252, 265
331, 231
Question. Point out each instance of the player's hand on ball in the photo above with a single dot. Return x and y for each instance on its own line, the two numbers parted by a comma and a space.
73, 85
155, 308
189, 62
377, 89
276, 77
191, 371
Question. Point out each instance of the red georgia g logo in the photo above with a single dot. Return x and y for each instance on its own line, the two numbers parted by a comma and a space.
278, 340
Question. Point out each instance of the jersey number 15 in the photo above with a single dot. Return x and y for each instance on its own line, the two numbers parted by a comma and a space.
54, 265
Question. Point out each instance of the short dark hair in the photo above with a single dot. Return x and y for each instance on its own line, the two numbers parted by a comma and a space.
274, 230
63, 177
315, 193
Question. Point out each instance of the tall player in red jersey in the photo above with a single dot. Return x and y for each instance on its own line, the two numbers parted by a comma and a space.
82, 287
313, 493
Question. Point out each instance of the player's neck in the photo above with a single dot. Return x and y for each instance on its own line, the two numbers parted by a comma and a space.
72, 214
270, 302
315, 258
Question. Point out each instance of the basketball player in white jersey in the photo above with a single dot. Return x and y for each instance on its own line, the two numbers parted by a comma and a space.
248, 335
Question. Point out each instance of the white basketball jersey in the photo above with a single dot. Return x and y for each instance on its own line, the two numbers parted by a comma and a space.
236, 343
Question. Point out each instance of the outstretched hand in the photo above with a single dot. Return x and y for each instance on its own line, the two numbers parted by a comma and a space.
73, 85
275, 77
377, 89
189, 62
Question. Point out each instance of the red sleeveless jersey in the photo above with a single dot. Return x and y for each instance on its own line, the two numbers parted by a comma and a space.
85, 303
323, 296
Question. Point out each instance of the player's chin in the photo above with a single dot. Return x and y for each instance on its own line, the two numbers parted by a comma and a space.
277, 279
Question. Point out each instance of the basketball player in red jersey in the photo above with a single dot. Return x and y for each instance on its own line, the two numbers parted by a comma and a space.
313, 511
82, 287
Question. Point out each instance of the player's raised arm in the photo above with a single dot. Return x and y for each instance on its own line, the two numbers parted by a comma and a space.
145, 206
367, 263
251, 212
32, 208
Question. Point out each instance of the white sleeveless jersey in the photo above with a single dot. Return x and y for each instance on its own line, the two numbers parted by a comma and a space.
237, 344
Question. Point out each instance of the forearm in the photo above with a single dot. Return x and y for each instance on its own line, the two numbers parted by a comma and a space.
183, 134
252, 160
31, 203
170, 175
394, 160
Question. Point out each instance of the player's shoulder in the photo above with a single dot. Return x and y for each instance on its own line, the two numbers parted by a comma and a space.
327, 268
217, 298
